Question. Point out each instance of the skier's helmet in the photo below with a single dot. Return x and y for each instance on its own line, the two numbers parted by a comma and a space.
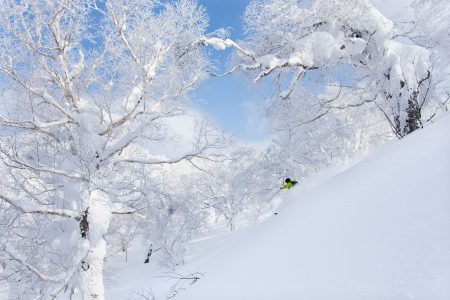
288, 180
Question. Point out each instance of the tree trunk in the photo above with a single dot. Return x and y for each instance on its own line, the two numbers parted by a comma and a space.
414, 115
98, 219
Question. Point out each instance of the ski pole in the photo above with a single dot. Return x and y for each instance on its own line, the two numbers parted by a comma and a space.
273, 196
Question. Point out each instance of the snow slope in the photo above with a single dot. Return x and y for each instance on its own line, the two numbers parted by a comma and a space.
380, 230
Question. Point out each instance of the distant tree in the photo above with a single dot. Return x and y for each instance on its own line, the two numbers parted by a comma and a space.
239, 187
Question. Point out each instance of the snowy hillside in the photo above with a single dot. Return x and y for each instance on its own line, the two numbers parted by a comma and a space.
380, 230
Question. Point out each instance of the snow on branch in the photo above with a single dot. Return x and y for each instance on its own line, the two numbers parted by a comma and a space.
267, 63
49, 99
121, 26
299, 74
119, 210
33, 209
239, 66
19, 164
185, 157
32, 269
220, 44
28, 124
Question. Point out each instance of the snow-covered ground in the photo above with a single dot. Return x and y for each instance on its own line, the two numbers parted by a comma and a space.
379, 230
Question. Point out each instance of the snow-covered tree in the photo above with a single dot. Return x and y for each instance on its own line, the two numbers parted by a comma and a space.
428, 28
240, 187
229, 188
345, 75
316, 131
170, 199
87, 88
288, 39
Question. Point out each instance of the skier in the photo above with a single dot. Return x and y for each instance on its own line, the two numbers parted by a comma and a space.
289, 183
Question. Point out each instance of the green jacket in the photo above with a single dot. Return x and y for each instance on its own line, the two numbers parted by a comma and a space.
288, 185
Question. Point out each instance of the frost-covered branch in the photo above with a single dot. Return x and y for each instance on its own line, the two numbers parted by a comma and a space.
123, 119
266, 63
120, 27
31, 268
39, 209
123, 211
222, 44
299, 74
186, 157
47, 97
47, 169
33, 124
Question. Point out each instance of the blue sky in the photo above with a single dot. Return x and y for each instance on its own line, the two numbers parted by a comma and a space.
229, 100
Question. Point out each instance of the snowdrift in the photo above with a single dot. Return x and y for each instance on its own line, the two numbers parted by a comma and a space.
380, 230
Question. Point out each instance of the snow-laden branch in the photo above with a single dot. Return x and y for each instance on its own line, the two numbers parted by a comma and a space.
161, 53
20, 164
185, 157
299, 74
28, 124
122, 120
118, 209
121, 25
62, 280
62, 41
39, 209
137, 132
267, 63
206, 140
50, 100
122, 142
32, 269
237, 67
220, 44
